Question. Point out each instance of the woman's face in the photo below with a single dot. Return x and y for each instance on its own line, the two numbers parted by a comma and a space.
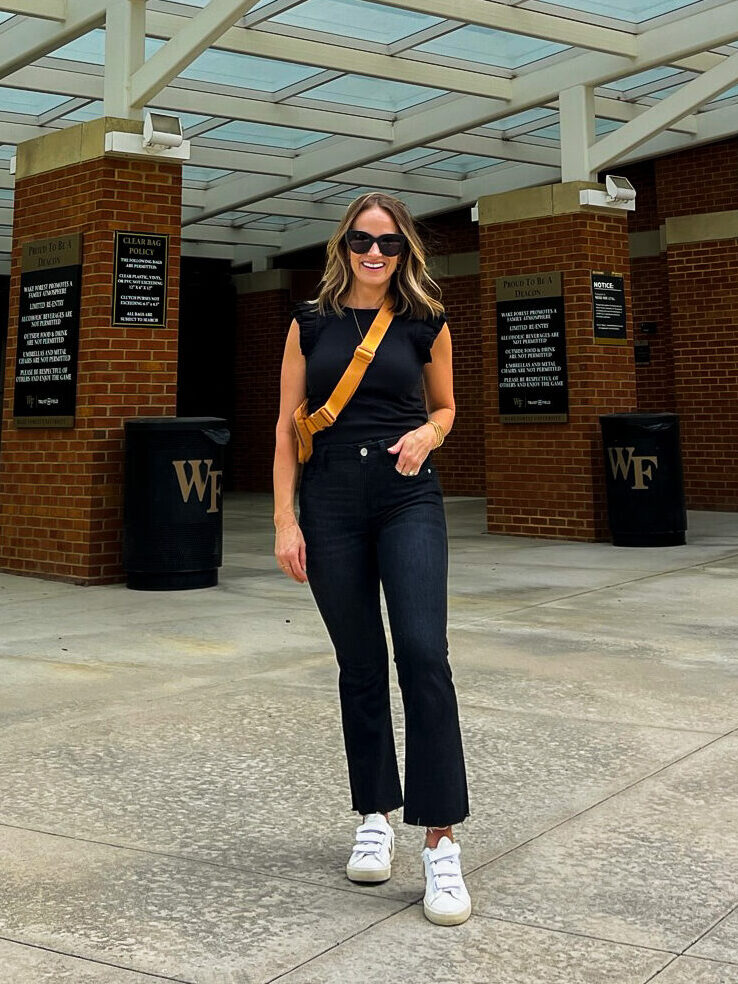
372, 269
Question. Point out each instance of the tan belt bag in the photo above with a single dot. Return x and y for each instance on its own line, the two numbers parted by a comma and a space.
306, 425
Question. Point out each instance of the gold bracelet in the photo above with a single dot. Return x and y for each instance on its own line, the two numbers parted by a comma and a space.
440, 433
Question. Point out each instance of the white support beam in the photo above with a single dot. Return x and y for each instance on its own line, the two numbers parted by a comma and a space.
691, 96
181, 99
504, 150
211, 251
505, 17
231, 236
238, 160
282, 47
624, 112
665, 45
196, 35
125, 52
577, 128
30, 39
49, 9
679, 39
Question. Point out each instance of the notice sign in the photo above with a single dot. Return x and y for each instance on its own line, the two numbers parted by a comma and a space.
48, 333
608, 306
140, 286
531, 349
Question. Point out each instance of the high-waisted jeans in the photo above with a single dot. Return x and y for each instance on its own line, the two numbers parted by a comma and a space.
365, 523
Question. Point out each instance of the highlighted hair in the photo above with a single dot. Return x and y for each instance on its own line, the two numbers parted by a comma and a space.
412, 289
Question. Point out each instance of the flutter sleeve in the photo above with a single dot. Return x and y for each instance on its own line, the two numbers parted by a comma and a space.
308, 318
426, 334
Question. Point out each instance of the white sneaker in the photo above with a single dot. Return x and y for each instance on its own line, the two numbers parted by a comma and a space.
446, 901
371, 858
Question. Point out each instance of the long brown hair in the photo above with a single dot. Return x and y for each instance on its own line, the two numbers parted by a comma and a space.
412, 289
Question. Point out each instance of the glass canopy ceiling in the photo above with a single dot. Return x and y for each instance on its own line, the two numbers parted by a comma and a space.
302, 104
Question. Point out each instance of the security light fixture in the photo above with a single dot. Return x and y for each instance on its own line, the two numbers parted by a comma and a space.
619, 194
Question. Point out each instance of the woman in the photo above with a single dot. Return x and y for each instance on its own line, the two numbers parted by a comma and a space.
371, 511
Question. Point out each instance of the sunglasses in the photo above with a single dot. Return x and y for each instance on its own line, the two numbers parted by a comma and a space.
391, 244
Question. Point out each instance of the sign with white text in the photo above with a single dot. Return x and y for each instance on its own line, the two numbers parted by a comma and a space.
140, 279
45, 392
531, 349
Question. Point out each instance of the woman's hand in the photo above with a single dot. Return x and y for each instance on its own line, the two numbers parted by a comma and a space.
289, 549
413, 448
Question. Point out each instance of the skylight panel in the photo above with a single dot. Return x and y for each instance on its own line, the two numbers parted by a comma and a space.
500, 48
285, 137
246, 71
409, 156
356, 19
465, 163
202, 174
90, 48
357, 90
635, 11
28, 102
520, 119
643, 78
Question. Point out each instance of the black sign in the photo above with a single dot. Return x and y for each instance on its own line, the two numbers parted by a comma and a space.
531, 349
48, 333
608, 305
642, 351
140, 285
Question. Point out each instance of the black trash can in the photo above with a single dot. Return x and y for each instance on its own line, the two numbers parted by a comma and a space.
645, 486
173, 511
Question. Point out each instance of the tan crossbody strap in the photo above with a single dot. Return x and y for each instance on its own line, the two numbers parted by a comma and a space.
348, 383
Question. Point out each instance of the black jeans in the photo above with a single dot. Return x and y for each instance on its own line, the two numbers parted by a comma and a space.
363, 523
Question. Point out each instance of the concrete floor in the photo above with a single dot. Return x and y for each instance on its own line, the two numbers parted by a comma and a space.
174, 802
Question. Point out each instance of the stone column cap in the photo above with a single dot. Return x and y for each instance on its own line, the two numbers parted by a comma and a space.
73, 145
538, 202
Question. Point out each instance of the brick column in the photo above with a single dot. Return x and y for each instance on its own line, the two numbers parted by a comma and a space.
262, 321
548, 479
702, 255
460, 461
61, 489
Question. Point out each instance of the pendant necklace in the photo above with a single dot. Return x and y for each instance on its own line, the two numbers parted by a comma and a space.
353, 311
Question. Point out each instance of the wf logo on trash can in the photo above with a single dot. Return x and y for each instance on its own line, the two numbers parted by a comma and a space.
623, 460
198, 481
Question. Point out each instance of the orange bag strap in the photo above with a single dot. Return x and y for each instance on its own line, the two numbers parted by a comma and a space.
348, 383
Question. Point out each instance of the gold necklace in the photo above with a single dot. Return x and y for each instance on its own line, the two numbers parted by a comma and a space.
353, 311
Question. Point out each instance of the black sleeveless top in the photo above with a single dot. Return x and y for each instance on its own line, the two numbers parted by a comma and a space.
389, 400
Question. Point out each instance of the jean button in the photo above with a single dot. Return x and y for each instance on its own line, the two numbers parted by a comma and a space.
363, 452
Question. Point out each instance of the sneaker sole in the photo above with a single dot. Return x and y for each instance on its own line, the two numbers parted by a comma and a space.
447, 918
368, 875
371, 874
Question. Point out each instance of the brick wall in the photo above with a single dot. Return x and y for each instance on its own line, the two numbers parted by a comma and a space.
703, 281
703, 179
651, 303
692, 296
453, 232
548, 479
263, 320
61, 490
460, 460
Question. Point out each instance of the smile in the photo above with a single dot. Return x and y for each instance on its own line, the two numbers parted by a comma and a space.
372, 266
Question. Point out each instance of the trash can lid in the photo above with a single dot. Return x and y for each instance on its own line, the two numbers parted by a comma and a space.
638, 417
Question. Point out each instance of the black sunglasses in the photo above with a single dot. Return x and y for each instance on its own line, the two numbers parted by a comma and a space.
391, 244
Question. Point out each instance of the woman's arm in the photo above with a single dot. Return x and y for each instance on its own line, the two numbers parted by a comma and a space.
289, 546
438, 378
414, 447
